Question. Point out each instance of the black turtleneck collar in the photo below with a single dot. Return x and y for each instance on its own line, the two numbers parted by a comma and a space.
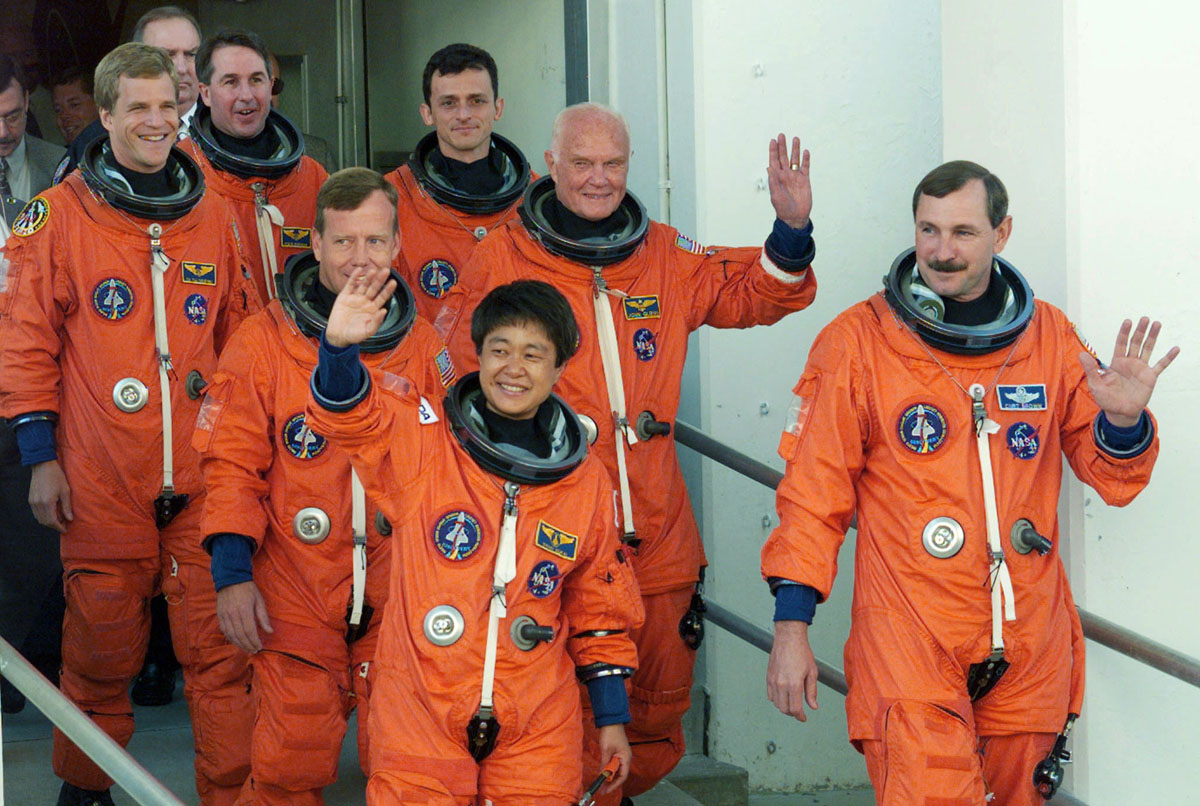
983, 310
481, 177
531, 434
261, 146
157, 185
571, 226
320, 298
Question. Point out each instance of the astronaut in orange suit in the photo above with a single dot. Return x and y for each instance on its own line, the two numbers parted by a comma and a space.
253, 156
125, 281
509, 581
939, 411
462, 180
319, 579
640, 288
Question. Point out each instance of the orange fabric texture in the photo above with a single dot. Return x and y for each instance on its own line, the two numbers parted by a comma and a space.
446, 512
659, 695
262, 466
294, 194
77, 317
919, 621
436, 240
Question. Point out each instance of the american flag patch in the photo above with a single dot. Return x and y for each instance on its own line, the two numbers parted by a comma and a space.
445, 367
688, 245
1083, 341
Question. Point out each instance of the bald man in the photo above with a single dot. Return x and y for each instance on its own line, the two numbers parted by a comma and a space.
638, 289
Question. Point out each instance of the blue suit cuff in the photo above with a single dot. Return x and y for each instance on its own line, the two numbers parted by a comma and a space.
35, 438
795, 602
610, 703
231, 559
790, 249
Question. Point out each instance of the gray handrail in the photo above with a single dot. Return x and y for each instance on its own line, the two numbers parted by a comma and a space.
123, 768
1121, 639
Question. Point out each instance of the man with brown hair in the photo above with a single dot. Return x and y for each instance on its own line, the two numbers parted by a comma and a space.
124, 282
252, 155
939, 411
309, 604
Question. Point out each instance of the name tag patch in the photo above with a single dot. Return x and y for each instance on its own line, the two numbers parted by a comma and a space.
645, 307
295, 237
1021, 397
199, 273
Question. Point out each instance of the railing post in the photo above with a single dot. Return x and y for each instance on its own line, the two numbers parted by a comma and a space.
99, 746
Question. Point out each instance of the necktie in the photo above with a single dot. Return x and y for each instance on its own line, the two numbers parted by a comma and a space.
5, 188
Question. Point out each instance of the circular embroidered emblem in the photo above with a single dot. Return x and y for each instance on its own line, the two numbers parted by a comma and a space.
300, 440
32, 218
645, 343
113, 298
1022, 440
195, 308
438, 277
544, 579
456, 535
922, 428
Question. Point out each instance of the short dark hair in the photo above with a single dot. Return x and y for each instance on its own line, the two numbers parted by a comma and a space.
528, 302
951, 176
10, 71
229, 37
73, 75
455, 58
162, 13
348, 189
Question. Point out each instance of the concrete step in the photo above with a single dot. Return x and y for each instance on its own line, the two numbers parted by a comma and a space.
713, 783
666, 794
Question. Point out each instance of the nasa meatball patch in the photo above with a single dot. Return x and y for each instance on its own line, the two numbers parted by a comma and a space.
437, 277
544, 579
645, 344
300, 440
195, 308
32, 218
112, 298
456, 535
1022, 440
922, 428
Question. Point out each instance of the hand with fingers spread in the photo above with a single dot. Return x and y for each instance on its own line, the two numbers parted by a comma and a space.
361, 306
792, 670
1123, 388
791, 191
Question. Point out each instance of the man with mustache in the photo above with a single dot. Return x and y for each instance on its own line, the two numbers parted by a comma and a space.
939, 411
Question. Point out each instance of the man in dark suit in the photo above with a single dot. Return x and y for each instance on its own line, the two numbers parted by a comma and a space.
31, 598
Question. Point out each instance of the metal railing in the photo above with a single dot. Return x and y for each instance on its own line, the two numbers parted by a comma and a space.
1122, 640
109, 756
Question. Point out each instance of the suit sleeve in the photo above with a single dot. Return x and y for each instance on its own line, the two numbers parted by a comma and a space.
823, 445
35, 300
601, 595
234, 436
1118, 479
735, 287
381, 434
241, 297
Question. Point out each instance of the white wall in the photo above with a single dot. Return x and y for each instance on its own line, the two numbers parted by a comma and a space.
859, 82
1086, 110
